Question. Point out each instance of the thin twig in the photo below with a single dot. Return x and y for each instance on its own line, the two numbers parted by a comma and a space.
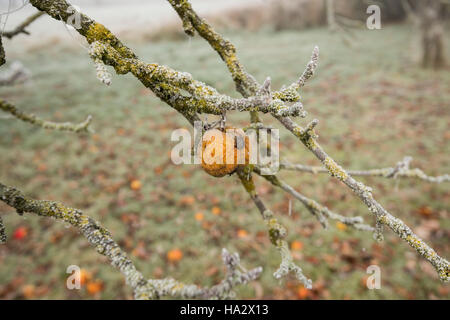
389, 172
322, 213
3, 236
21, 27
2, 53
31, 118
277, 232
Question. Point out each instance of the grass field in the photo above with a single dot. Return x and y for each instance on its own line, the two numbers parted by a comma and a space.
374, 107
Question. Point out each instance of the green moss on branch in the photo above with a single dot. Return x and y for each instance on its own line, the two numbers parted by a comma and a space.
31, 118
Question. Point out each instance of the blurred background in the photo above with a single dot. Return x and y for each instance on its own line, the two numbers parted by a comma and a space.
376, 96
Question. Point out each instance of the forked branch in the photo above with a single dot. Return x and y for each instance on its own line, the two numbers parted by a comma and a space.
277, 232
21, 28
321, 212
308, 137
190, 98
101, 239
401, 170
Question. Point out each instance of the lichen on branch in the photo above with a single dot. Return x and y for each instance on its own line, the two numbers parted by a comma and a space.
191, 97
201, 97
31, 118
364, 193
277, 232
101, 239
401, 170
3, 236
245, 83
321, 212
2, 53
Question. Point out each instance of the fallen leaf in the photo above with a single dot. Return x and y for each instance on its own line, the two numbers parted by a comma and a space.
425, 211
85, 276
199, 216
216, 210
242, 233
174, 255
187, 200
20, 233
28, 291
296, 245
94, 287
135, 185
302, 293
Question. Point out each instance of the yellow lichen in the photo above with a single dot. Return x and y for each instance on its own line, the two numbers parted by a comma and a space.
98, 32
334, 169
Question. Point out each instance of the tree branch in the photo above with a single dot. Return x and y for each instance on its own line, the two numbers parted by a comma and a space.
202, 98
3, 236
290, 94
2, 53
236, 275
401, 170
308, 137
170, 85
322, 213
101, 239
21, 27
277, 232
365, 194
31, 118
245, 83
16, 73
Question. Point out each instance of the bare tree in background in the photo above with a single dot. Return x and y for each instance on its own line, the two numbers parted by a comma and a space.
192, 98
344, 23
429, 17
